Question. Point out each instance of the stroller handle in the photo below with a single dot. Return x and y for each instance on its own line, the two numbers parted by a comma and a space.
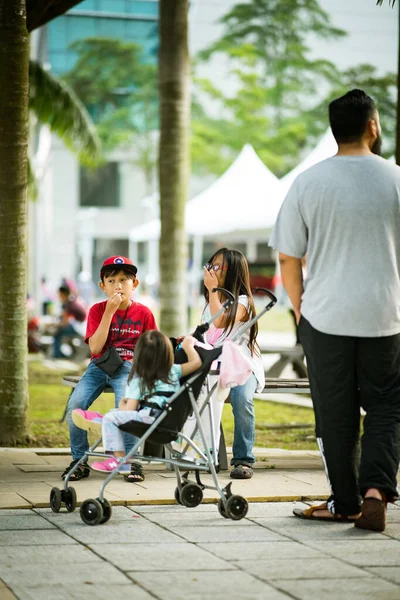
248, 324
270, 295
201, 329
225, 293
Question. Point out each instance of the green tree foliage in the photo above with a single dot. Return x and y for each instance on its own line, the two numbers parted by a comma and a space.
280, 95
117, 87
271, 35
275, 83
120, 92
56, 105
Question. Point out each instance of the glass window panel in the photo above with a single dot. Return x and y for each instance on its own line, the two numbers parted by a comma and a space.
87, 5
80, 28
138, 7
111, 6
100, 187
59, 63
110, 28
265, 252
57, 34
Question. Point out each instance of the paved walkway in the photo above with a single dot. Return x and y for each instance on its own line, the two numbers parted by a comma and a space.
154, 549
27, 477
163, 552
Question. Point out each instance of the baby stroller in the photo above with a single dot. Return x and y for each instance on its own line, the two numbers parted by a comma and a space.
167, 428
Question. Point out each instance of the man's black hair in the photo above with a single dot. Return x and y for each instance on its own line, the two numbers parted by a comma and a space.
349, 115
63, 289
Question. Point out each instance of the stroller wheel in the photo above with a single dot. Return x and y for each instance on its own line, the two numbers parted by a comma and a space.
55, 499
237, 507
191, 495
177, 495
221, 509
69, 498
107, 510
91, 512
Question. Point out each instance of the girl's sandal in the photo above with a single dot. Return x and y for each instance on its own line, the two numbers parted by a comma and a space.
136, 475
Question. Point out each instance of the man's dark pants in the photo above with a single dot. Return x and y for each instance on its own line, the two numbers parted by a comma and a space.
346, 373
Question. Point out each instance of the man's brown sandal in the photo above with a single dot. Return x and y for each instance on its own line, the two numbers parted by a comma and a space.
373, 515
308, 514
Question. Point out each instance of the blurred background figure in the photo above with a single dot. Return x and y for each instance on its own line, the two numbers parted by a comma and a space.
33, 325
47, 297
72, 320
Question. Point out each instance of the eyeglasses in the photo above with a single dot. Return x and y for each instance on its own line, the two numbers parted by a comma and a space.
215, 268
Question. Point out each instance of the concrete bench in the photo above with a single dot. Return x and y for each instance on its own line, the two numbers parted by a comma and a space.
272, 386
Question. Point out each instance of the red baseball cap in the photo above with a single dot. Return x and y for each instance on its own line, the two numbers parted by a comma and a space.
119, 261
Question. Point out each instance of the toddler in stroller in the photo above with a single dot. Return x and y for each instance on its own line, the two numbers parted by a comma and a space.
153, 379
165, 428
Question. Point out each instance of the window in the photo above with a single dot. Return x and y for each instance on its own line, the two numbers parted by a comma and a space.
100, 187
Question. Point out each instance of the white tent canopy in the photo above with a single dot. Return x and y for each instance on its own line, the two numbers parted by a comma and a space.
246, 196
326, 148
242, 198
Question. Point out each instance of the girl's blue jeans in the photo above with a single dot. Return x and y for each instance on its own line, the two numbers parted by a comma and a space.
244, 422
92, 383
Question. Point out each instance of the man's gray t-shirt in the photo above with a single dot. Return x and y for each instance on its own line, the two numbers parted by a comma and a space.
344, 213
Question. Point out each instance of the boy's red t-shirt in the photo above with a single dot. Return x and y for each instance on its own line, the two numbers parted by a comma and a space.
138, 319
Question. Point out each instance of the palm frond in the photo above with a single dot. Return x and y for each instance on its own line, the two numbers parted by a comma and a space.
391, 2
57, 105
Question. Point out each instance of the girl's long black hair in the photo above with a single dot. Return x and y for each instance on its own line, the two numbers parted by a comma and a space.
237, 281
152, 360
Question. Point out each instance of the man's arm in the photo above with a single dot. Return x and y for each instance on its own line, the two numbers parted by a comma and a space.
292, 279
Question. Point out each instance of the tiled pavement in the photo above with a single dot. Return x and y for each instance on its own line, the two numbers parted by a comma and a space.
154, 549
161, 552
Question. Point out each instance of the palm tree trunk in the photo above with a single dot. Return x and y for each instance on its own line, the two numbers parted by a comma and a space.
14, 62
174, 79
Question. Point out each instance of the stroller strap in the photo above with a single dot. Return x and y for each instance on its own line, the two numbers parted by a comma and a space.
145, 403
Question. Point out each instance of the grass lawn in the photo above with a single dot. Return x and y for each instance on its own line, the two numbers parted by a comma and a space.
48, 398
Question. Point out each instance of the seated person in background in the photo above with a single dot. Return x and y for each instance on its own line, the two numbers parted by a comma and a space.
72, 319
153, 373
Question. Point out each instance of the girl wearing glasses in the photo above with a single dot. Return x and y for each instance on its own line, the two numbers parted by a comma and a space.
229, 269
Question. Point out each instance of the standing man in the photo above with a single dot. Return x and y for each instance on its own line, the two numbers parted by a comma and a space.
344, 213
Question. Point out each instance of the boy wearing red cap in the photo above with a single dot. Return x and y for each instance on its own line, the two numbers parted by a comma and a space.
116, 323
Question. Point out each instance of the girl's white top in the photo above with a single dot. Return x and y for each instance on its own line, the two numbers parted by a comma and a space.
216, 335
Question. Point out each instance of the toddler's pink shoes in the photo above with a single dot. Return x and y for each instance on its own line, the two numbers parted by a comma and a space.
88, 420
108, 465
